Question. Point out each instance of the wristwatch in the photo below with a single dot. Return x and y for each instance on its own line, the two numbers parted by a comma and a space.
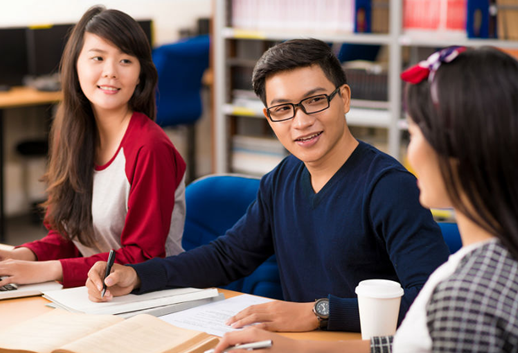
321, 310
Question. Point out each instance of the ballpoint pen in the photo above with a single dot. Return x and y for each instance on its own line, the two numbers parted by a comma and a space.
111, 259
247, 346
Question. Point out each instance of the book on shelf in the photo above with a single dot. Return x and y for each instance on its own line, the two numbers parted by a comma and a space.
435, 16
507, 19
59, 331
253, 163
76, 300
380, 16
481, 19
371, 16
267, 145
332, 16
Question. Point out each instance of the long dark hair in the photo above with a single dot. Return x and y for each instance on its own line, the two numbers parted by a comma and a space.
74, 132
294, 54
474, 129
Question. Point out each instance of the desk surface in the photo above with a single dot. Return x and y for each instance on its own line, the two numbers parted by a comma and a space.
27, 96
18, 310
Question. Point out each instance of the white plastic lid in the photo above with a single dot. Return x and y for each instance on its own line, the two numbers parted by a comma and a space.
379, 288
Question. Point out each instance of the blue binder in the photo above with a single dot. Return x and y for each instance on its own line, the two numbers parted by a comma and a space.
480, 23
363, 16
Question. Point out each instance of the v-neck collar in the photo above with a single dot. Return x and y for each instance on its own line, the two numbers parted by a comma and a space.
314, 197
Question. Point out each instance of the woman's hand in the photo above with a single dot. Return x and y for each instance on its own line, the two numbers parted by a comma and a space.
277, 316
281, 344
17, 254
252, 334
26, 272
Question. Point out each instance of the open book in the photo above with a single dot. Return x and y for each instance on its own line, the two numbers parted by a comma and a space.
59, 331
76, 300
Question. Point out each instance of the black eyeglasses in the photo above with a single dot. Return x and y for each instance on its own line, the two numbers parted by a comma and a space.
310, 105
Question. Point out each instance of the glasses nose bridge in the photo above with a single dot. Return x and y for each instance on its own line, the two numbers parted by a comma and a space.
299, 105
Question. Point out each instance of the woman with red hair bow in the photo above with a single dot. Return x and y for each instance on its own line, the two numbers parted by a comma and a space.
463, 122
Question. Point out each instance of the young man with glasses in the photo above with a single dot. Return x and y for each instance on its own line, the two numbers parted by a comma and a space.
335, 212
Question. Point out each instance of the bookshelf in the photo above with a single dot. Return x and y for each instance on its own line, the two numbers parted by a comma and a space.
231, 117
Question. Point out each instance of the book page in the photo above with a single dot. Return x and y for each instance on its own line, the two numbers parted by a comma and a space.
211, 317
51, 330
141, 333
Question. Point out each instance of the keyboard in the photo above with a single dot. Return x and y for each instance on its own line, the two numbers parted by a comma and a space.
10, 286
11, 290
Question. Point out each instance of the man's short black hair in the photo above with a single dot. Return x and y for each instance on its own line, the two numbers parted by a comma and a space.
294, 54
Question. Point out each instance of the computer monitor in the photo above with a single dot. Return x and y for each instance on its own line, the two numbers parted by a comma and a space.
13, 57
147, 26
45, 46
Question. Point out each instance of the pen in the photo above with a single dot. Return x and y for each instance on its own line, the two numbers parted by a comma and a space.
111, 259
247, 346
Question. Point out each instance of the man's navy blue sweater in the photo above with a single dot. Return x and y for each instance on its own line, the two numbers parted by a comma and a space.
365, 223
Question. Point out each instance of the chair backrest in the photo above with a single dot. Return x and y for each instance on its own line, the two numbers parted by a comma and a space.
180, 69
214, 204
451, 235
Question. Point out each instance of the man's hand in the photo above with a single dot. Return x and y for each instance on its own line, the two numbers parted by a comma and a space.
26, 272
277, 316
121, 281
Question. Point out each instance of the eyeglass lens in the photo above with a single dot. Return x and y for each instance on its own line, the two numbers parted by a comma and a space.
310, 105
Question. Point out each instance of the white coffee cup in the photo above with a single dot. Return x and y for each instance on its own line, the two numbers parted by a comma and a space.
378, 302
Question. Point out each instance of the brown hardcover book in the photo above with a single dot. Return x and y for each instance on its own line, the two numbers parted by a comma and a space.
63, 332
507, 19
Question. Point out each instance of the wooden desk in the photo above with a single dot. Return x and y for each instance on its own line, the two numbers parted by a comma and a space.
13, 311
18, 97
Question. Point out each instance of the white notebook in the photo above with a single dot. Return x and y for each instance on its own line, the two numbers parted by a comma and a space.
76, 300
29, 290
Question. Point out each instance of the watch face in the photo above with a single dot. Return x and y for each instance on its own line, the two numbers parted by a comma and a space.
322, 308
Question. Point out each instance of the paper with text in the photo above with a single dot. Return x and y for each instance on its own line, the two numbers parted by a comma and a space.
211, 318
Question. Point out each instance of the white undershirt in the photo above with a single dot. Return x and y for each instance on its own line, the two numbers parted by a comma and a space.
413, 336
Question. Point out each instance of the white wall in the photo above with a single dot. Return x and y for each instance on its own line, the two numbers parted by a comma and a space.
168, 17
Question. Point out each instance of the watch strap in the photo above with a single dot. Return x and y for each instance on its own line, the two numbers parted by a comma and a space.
322, 323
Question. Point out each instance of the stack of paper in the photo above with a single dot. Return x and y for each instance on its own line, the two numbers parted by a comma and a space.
169, 300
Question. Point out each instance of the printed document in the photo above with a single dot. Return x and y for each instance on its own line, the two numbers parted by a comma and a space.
211, 318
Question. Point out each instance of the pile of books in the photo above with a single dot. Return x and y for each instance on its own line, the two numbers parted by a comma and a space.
294, 15
256, 155
368, 80
469, 18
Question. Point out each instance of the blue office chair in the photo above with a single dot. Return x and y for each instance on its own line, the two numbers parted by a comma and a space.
214, 204
180, 69
451, 235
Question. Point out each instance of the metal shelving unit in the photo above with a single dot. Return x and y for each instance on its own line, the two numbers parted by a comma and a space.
381, 114
386, 117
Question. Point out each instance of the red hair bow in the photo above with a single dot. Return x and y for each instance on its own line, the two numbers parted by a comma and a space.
428, 67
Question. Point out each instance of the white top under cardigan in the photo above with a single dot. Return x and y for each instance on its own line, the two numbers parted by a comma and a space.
413, 335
